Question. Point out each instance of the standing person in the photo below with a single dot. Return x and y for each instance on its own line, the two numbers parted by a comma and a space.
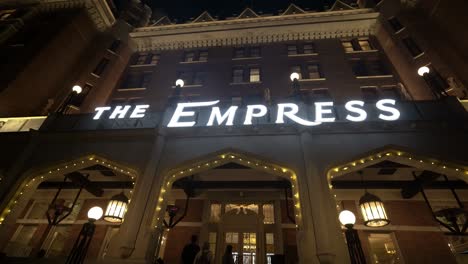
227, 257
190, 251
205, 256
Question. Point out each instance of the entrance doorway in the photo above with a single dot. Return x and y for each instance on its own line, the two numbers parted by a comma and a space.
244, 246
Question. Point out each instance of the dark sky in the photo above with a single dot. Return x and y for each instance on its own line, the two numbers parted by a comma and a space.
184, 10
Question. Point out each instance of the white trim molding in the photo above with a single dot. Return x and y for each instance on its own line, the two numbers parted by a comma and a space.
258, 30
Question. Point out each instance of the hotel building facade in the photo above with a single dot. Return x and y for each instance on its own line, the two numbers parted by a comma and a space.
239, 154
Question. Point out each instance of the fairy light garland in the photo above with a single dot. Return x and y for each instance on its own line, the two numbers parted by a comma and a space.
220, 160
394, 155
53, 172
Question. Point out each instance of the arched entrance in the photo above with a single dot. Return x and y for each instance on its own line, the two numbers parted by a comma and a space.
415, 190
73, 186
235, 199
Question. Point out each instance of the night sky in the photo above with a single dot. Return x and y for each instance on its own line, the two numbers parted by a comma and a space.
184, 10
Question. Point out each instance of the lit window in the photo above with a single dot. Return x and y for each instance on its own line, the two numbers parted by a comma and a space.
292, 49
254, 74
269, 214
255, 52
348, 46
297, 69
203, 56
384, 249
270, 246
314, 71
215, 213
233, 240
395, 24
212, 241
189, 56
412, 47
239, 53
364, 44
309, 48
238, 75
101, 66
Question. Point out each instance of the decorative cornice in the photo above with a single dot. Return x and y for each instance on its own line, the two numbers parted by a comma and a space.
260, 30
98, 10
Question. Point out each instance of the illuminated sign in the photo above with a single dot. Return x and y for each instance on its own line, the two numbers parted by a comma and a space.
323, 113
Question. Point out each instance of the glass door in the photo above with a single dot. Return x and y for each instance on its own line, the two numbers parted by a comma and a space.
244, 246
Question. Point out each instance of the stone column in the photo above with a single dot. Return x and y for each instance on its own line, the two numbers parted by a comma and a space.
136, 234
330, 246
278, 236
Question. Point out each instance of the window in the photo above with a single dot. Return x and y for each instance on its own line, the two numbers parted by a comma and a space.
239, 53
215, 213
145, 58
19, 245
238, 75
362, 44
137, 80
313, 71
369, 93
115, 45
78, 99
292, 49
297, 69
321, 94
412, 47
383, 249
390, 91
365, 44
255, 52
269, 214
154, 58
369, 67
309, 48
395, 24
254, 74
212, 241
270, 246
348, 46
101, 67
189, 56
203, 56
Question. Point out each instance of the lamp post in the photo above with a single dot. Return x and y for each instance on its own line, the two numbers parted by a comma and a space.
348, 219
177, 91
436, 86
116, 208
80, 248
296, 89
76, 89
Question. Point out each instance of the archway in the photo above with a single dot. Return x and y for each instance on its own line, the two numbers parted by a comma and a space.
23, 218
413, 188
237, 177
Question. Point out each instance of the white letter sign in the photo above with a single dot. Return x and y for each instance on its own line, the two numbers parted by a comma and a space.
262, 110
381, 105
351, 107
216, 114
179, 112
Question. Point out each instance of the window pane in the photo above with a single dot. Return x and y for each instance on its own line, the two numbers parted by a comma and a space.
154, 59
238, 75
292, 49
369, 93
239, 53
212, 241
412, 47
383, 249
309, 48
395, 24
255, 52
101, 66
189, 56
314, 72
269, 214
254, 74
141, 58
365, 44
203, 56
348, 46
